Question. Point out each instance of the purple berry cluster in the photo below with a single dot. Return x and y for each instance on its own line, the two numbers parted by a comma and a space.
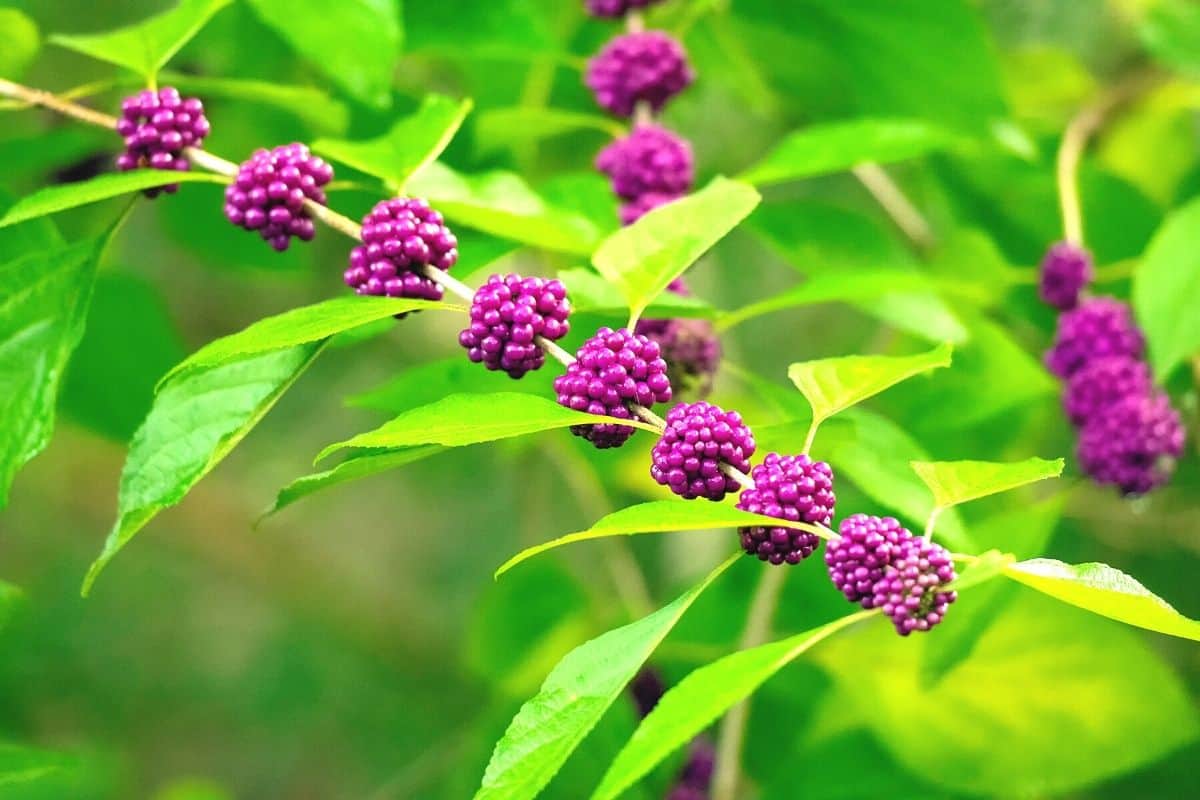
1065, 273
695, 777
613, 369
878, 563
1133, 444
648, 67
269, 192
793, 488
690, 347
1101, 327
650, 160
698, 439
508, 313
615, 8
157, 126
401, 236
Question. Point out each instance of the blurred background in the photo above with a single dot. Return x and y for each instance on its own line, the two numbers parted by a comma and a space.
356, 646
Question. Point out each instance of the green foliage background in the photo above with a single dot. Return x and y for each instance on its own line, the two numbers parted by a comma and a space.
356, 645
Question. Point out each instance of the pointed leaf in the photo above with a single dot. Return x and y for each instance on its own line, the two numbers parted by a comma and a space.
954, 482
661, 516
412, 143
1105, 591
574, 697
359, 466
1166, 291
833, 384
591, 294
642, 258
146, 46
65, 196
701, 698
463, 419
197, 419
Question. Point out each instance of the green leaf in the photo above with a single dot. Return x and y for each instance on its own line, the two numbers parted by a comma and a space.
833, 384
197, 418
316, 108
660, 516
1105, 591
1166, 291
20, 764
1171, 32
412, 143
642, 258
10, 598
426, 383
701, 698
836, 146
591, 294
44, 299
53, 199
358, 48
505, 127
301, 326
502, 204
146, 46
463, 419
358, 466
954, 482
19, 42
573, 698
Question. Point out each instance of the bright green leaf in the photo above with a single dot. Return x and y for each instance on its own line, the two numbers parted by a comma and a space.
591, 294
146, 46
573, 698
10, 598
1166, 291
642, 258
954, 482
316, 108
53, 199
20, 764
1105, 591
835, 146
506, 127
1171, 32
412, 143
19, 42
357, 48
463, 419
701, 698
197, 419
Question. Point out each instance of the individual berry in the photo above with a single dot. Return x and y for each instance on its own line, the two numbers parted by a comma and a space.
634, 210
912, 589
647, 688
613, 369
1103, 382
1134, 444
1065, 272
698, 439
615, 8
157, 126
649, 67
794, 488
401, 236
690, 347
1097, 328
651, 159
269, 191
857, 558
507, 314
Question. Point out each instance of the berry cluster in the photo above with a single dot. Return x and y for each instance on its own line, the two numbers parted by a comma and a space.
508, 313
615, 8
698, 440
1129, 434
269, 192
648, 67
793, 488
695, 778
157, 126
650, 160
690, 347
401, 237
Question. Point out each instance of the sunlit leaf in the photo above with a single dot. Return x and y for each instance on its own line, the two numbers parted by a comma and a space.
54, 199
954, 482
589, 293
1166, 291
19, 42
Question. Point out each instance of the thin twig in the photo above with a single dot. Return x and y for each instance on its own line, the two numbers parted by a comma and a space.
891, 197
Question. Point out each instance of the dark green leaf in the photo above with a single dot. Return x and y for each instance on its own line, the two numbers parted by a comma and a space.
1166, 291
53, 199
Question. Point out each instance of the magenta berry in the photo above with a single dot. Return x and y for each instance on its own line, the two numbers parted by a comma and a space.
857, 558
269, 191
648, 67
615, 8
507, 314
1098, 328
912, 589
794, 488
613, 369
1133, 444
401, 237
698, 439
1101, 384
651, 159
157, 126
1065, 272
634, 210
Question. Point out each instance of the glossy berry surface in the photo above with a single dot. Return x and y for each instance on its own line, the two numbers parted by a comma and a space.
698, 439
911, 591
1100, 327
615, 8
794, 488
401, 237
1102, 383
650, 159
1065, 272
156, 127
858, 557
269, 191
507, 314
1133, 444
648, 67
613, 368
